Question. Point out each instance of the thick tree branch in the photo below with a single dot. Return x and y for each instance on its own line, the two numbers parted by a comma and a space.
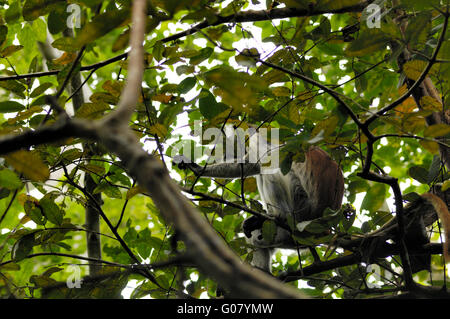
210, 252
131, 92
63, 128
221, 170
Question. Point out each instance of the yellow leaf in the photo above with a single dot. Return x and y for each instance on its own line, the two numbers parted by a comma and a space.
275, 76
281, 91
113, 87
403, 89
413, 123
413, 69
22, 198
430, 146
92, 168
328, 125
437, 130
295, 114
430, 104
133, 191
158, 129
29, 164
305, 95
445, 185
163, 98
250, 184
25, 114
92, 110
10, 50
407, 106
65, 58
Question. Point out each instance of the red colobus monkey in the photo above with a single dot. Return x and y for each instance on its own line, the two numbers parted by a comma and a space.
303, 193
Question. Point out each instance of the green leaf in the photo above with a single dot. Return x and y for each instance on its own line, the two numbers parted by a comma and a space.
208, 105
32, 9
14, 86
34, 212
27, 37
11, 107
286, 163
369, 41
10, 267
9, 180
13, 13
435, 169
51, 210
418, 29
446, 185
420, 4
247, 57
71, 155
314, 226
101, 25
204, 54
66, 44
374, 198
41, 89
122, 41
328, 5
411, 197
57, 20
430, 104
419, 173
269, 230
185, 69
186, 85
109, 190
358, 186
3, 34
23, 247
40, 30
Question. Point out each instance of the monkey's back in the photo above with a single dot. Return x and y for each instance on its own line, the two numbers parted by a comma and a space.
322, 180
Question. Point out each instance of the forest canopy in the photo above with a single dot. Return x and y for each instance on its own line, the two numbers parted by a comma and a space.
98, 100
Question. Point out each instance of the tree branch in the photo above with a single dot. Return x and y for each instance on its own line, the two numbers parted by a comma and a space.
417, 83
131, 92
263, 15
335, 95
246, 16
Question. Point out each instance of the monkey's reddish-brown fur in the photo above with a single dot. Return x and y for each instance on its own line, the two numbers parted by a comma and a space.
323, 181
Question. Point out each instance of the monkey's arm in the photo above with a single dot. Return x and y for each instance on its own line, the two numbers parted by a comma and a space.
222, 170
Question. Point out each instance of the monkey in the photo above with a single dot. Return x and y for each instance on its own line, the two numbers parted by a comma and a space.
303, 193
